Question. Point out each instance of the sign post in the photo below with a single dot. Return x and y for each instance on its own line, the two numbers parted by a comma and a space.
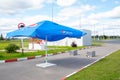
21, 25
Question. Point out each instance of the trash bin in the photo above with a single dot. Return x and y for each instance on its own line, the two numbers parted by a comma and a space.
75, 52
93, 53
71, 52
90, 54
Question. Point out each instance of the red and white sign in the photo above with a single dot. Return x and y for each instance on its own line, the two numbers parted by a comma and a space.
21, 25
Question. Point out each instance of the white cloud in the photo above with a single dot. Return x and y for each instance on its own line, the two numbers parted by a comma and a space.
12, 6
10, 24
36, 3
103, 0
7, 25
73, 16
65, 2
87, 8
15, 6
117, 2
66, 14
114, 13
50, 1
70, 12
34, 19
75, 12
60, 18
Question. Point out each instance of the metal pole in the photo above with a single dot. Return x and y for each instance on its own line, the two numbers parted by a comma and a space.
103, 33
52, 10
80, 25
46, 55
94, 32
22, 45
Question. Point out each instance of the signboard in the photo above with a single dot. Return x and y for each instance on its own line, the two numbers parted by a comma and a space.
21, 25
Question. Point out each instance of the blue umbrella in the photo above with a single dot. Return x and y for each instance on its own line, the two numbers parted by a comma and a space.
51, 30
48, 31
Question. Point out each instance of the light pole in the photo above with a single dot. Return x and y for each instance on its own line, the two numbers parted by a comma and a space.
52, 6
94, 31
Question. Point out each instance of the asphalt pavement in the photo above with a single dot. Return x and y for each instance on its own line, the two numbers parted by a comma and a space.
65, 64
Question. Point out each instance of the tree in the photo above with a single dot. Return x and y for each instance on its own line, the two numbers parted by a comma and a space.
1, 37
11, 48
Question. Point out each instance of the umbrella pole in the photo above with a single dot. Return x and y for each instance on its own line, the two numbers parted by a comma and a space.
46, 52
46, 64
22, 46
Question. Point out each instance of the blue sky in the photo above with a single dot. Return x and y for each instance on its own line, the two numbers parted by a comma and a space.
99, 16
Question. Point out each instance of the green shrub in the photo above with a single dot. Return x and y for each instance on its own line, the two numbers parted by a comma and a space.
11, 48
1, 56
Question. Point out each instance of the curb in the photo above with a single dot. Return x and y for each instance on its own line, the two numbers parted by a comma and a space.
27, 58
34, 57
21, 59
84, 67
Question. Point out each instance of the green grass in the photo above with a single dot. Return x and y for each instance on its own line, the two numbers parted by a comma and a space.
4, 43
5, 56
51, 49
105, 69
97, 43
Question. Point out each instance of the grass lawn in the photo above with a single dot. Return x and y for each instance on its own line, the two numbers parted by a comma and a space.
52, 49
97, 43
5, 56
105, 69
4, 43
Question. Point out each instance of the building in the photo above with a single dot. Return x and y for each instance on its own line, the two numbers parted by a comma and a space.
85, 40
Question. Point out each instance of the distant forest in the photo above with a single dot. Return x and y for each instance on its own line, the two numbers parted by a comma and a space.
105, 37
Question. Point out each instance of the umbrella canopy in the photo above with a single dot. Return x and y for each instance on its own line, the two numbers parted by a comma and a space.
51, 30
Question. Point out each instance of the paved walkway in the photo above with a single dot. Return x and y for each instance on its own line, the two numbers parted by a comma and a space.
65, 64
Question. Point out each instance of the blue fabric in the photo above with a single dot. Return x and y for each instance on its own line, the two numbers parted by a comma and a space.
51, 30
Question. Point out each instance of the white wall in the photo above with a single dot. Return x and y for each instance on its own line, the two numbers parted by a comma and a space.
83, 41
87, 39
36, 46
